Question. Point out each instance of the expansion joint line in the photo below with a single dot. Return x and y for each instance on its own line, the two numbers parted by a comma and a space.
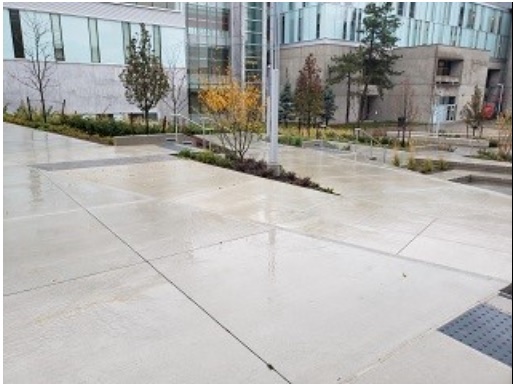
415, 237
172, 283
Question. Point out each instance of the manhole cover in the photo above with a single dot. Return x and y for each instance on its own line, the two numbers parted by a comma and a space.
485, 329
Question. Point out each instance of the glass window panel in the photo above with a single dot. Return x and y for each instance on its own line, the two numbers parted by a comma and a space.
93, 40
157, 41
17, 35
126, 38
55, 21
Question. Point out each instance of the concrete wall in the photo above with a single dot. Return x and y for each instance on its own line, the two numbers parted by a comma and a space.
292, 60
87, 88
419, 67
474, 73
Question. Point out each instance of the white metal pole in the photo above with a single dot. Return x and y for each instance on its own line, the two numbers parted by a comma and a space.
274, 88
274, 119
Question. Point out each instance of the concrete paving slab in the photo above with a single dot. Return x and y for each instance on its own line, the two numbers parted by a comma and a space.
125, 326
277, 265
482, 261
320, 310
157, 229
52, 248
36, 196
439, 359
165, 180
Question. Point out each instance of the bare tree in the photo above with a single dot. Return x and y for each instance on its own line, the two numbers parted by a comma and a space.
39, 66
176, 98
406, 106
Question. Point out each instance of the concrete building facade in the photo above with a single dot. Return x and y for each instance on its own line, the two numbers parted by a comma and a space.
446, 49
86, 46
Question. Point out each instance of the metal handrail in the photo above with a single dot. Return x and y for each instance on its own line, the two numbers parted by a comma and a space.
372, 139
195, 123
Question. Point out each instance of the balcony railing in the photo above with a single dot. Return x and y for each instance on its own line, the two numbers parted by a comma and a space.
447, 79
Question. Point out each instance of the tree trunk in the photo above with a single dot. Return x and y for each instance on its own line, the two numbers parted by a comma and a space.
146, 122
364, 104
43, 105
348, 100
29, 108
175, 116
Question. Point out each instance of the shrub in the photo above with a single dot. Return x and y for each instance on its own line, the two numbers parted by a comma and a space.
385, 140
185, 153
290, 140
411, 163
443, 165
396, 159
427, 166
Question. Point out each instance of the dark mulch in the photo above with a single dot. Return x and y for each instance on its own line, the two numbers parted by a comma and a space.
507, 291
253, 167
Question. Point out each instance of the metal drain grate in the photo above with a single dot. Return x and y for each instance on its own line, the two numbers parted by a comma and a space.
485, 329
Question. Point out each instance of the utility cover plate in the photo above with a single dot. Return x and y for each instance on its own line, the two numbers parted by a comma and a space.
485, 329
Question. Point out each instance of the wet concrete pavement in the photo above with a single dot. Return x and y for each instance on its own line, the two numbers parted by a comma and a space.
122, 266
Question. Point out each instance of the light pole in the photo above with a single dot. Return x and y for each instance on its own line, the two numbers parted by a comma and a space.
272, 118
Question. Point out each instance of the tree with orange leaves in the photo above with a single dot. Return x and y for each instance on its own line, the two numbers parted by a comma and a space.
236, 109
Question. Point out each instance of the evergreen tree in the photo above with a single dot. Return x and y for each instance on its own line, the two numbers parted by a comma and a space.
143, 77
345, 68
308, 95
329, 105
286, 107
379, 38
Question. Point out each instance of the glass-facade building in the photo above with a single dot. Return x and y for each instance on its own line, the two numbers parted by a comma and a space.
461, 24
208, 46
222, 36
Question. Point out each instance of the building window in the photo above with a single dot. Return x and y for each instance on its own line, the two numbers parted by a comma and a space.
17, 35
491, 24
412, 10
93, 40
55, 21
353, 25
157, 41
461, 15
498, 30
225, 19
446, 13
300, 24
444, 68
401, 9
282, 28
126, 39
471, 16
318, 24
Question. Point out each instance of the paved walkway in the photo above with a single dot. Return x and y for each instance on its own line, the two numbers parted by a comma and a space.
122, 266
